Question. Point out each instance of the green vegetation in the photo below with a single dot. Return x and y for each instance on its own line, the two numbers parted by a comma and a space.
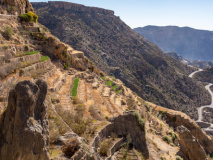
118, 91
7, 33
108, 83
166, 139
66, 66
31, 53
28, 17
44, 58
104, 147
75, 87
103, 78
140, 120
114, 87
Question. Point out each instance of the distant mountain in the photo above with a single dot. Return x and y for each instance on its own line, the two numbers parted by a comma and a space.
197, 63
190, 43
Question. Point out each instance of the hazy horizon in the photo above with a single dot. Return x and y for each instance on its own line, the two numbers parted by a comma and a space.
139, 13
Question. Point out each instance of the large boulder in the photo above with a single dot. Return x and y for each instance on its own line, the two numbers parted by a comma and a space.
24, 133
190, 145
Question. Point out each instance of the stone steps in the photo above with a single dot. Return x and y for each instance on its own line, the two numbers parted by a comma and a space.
82, 90
64, 93
58, 84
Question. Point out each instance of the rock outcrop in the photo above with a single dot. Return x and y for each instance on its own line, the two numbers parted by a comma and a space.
122, 126
190, 145
176, 119
24, 125
15, 6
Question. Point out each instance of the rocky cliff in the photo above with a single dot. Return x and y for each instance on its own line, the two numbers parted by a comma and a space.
117, 50
24, 125
15, 6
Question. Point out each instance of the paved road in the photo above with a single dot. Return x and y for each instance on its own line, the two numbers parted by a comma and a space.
193, 73
200, 109
200, 116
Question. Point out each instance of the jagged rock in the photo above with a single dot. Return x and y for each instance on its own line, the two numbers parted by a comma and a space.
190, 145
176, 118
15, 6
24, 127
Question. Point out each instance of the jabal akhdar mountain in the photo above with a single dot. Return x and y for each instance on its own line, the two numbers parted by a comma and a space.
118, 50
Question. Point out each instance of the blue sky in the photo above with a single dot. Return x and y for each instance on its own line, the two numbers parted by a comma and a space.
138, 13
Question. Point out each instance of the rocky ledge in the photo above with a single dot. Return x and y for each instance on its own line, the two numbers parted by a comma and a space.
73, 7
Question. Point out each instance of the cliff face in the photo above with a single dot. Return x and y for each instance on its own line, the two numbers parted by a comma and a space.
24, 125
116, 49
76, 7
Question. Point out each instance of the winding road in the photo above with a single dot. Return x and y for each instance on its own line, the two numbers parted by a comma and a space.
200, 109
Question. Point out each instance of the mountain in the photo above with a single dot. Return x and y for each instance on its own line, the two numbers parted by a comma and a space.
190, 43
197, 63
119, 51
178, 57
56, 104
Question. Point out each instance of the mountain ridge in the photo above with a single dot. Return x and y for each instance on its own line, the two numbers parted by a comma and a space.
190, 43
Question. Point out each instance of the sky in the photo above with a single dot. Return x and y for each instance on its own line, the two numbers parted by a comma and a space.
138, 13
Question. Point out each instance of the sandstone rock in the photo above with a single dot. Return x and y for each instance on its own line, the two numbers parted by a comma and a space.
24, 133
190, 145
16, 7
176, 118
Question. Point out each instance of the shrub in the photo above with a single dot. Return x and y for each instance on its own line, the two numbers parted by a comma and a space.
108, 83
44, 58
75, 87
140, 120
31, 53
7, 33
71, 147
66, 66
103, 78
119, 91
114, 87
28, 17
166, 139
104, 147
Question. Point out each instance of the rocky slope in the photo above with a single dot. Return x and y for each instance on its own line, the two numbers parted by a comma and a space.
190, 43
118, 50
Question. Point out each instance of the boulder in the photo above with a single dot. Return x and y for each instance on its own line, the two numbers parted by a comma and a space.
24, 133
190, 145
